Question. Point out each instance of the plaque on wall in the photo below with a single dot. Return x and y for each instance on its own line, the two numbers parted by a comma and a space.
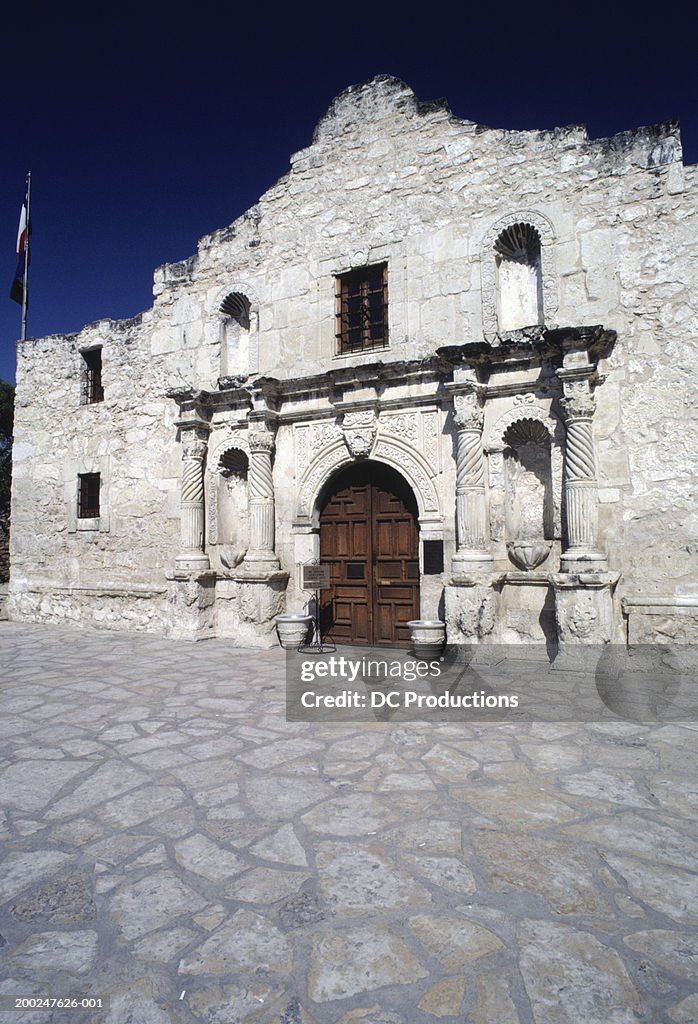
315, 576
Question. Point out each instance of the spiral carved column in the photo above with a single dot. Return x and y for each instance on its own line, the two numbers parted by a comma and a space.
192, 557
581, 485
472, 520
261, 501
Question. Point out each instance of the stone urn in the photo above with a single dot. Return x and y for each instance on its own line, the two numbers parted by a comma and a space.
428, 637
292, 629
528, 554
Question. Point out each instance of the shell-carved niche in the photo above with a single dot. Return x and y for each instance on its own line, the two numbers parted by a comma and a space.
529, 505
232, 507
234, 325
519, 277
519, 274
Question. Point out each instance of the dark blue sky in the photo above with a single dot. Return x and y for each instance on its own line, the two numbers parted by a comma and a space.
145, 130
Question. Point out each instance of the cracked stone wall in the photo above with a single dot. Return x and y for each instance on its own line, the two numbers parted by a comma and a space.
386, 178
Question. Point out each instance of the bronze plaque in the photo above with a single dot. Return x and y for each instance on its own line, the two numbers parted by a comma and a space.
315, 576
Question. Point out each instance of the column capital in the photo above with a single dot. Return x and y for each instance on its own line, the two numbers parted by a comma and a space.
194, 445
468, 408
578, 407
578, 401
260, 440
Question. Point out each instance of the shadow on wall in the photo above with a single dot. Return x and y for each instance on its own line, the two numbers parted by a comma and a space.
4, 547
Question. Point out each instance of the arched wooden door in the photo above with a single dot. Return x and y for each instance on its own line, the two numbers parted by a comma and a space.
369, 537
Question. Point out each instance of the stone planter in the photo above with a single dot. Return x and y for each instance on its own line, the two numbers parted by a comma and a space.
428, 637
292, 629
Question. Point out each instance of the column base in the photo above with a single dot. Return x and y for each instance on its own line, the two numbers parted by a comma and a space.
472, 605
191, 601
188, 565
582, 560
259, 562
246, 604
469, 560
584, 606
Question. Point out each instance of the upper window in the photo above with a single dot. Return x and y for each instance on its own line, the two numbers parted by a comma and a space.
362, 309
92, 390
88, 495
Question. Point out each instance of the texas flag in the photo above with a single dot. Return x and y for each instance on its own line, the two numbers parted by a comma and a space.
23, 232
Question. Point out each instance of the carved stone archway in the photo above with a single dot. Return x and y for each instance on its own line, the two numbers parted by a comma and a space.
388, 450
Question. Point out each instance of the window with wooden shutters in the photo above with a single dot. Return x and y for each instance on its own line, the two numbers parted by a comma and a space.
362, 309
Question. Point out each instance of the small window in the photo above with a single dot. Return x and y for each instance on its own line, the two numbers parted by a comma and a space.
362, 309
433, 557
92, 376
88, 495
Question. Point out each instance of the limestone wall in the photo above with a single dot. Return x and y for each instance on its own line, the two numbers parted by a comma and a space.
385, 179
57, 567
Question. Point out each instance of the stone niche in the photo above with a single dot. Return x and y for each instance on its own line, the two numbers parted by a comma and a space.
235, 327
528, 508
246, 599
519, 278
231, 496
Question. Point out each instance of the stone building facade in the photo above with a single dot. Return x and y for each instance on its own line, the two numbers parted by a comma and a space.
458, 363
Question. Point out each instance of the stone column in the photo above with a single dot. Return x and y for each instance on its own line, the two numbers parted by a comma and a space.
581, 485
261, 554
472, 526
192, 557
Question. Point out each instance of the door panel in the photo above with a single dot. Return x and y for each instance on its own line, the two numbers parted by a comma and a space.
369, 537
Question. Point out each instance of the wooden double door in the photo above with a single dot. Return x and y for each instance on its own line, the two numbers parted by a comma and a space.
369, 537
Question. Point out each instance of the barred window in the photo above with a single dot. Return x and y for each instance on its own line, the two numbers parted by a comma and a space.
362, 309
88, 495
92, 390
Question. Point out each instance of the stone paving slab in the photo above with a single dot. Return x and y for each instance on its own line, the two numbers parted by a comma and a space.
171, 843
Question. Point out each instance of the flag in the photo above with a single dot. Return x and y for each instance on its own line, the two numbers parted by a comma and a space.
23, 232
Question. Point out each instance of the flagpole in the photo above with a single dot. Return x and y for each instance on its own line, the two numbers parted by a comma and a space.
25, 290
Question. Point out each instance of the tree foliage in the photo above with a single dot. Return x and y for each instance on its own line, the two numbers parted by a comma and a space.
7, 408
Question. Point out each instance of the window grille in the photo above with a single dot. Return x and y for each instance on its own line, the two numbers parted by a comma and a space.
362, 309
92, 376
88, 495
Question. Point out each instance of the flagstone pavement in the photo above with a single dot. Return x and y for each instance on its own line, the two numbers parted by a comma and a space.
175, 847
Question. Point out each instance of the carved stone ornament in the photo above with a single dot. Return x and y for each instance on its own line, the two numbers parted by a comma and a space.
578, 619
578, 401
468, 411
578, 406
359, 429
193, 445
529, 554
475, 615
260, 441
